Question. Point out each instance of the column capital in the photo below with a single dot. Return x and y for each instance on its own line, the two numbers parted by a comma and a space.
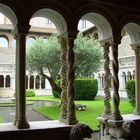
106, 41
116, 39
21, 29
135, 45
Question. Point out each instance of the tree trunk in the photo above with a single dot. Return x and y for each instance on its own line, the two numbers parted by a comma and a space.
52, 83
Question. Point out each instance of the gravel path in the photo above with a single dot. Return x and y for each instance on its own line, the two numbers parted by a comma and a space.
8, 113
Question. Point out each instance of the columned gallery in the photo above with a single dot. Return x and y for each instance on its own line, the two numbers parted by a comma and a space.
111, 20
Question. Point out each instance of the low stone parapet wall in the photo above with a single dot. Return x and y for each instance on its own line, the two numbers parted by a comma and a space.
6, 92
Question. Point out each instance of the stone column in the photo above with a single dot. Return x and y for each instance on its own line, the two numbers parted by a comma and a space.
71, 116
137, 78
107, 82
34, 82
40, 82
28, 82
4, 82
63, 72
21, 121
115, 70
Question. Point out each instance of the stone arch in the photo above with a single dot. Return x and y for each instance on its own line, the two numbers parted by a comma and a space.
130, 23
7, 11
129, 75
30, 40
54, 16
5, 39
101, 17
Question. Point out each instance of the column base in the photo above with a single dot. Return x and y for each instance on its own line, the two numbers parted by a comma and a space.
136, 112
72, 121
22, 124
63, 119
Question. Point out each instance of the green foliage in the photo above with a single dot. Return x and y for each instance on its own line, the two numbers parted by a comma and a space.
45, 54
88, 55
85, 89
130, 89
30, 93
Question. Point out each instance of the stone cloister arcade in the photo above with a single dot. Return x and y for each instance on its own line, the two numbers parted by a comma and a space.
109, 26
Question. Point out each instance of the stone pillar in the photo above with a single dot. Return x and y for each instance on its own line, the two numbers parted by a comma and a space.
107, 82
4, 82
137, 78
40, 82
63, 72
115, 69
71, 116
21, 121
28, 82
34, 82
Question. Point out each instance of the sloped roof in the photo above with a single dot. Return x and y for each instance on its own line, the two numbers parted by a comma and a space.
7, 55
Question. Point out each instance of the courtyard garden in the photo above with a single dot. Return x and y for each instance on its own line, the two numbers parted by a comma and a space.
89, 116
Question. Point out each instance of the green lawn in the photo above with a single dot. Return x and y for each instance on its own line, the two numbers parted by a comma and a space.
89, 116
1, 120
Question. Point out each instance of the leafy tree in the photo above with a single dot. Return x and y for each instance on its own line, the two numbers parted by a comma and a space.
88, 55
45, 55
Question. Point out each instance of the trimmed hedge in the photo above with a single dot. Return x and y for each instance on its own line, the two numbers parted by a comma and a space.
30, 93
130, 89
85, 89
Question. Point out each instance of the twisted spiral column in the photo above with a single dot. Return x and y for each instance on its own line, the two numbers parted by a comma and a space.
107, 82
64, 100
115, 69
71, 116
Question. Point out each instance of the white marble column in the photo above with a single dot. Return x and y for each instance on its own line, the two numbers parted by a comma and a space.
28, 82
34, 82
4, 82
21, 121
107, 82
40, 81
137, 78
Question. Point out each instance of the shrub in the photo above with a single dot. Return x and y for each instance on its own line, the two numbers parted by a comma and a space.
30, 93
130, 89
85, 89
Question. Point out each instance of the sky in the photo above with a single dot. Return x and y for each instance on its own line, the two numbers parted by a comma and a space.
1, 18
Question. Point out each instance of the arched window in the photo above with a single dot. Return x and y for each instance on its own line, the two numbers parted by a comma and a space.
1, 81
37, 82
31, 82
129, 75
7, 81
30, 41
3, 42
